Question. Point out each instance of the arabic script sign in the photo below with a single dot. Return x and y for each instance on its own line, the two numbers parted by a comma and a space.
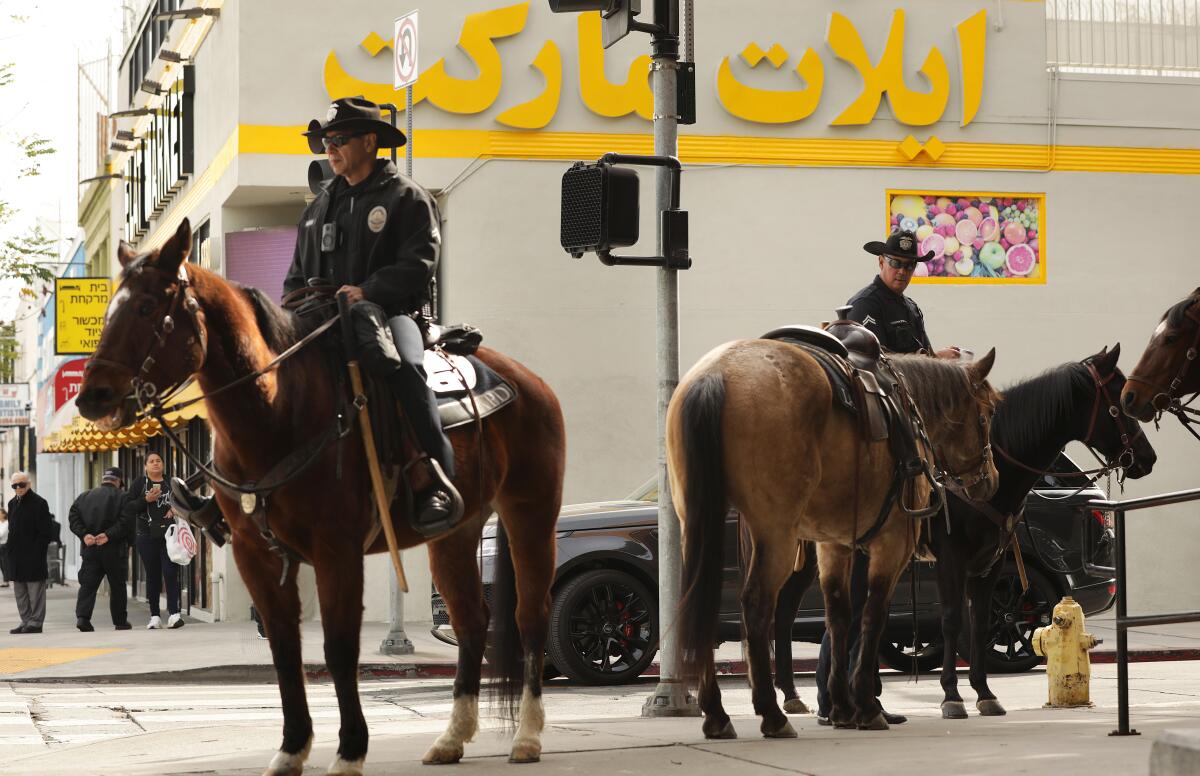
881, 77
79, 306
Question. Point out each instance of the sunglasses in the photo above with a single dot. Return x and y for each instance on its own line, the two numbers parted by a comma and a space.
20, 485
338, 140
900, 264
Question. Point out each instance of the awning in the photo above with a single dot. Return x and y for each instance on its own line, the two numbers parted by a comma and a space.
82, 436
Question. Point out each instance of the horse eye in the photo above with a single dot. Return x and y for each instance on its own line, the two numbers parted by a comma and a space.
145, 308
1172, 338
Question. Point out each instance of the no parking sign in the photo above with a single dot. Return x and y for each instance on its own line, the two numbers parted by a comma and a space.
404, 50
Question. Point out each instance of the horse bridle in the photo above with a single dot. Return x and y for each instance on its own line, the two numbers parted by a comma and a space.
955, 480
146, 393
1169, 399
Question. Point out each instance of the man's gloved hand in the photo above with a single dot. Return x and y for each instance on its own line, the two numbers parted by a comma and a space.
353, 294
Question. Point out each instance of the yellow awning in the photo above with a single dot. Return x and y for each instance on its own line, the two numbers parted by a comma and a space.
83, 435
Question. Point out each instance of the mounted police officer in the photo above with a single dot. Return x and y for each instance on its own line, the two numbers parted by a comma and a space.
375, 235
899, 324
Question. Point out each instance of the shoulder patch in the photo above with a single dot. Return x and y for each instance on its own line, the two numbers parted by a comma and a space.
868, 321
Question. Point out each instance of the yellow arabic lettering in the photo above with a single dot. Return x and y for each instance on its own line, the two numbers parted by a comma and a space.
972, 44
536, 113
475, 95
908, 106
600, 95
767, 106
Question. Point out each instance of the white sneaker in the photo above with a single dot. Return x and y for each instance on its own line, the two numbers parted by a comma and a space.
155, 623
175, 621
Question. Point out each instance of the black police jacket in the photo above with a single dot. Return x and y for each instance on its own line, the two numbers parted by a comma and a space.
894, 318
30, 531
390, 244
100, 511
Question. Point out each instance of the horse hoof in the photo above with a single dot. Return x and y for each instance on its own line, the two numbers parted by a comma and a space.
954, 710
286, 764
440, 754
342, 767
843, 723
795, 706
525, 752
990, 708
875, 723
783, 731
725, 732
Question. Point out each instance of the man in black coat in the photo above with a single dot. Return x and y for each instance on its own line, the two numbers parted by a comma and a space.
30, 533
375, 235
98, 519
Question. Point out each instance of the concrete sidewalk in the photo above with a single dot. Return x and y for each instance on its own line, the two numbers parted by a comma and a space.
232, 651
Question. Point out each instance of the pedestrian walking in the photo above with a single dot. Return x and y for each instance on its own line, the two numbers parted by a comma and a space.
149, 506
4, 568
99, 519
30, 532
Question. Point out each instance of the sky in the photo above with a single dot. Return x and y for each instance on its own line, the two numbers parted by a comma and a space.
45, 39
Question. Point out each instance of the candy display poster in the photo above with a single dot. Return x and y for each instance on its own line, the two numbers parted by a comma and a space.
975, 237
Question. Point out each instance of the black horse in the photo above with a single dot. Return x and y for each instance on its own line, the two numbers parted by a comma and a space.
1075, 402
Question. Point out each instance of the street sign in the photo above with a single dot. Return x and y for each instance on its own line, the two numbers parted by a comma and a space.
67, 381
79, 307
404, 50
14, 404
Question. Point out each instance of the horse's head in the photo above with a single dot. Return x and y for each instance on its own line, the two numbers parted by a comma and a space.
958, 403
154, 336
1162, 374
1119, 439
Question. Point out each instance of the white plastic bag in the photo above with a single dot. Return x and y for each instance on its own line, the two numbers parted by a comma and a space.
181, 542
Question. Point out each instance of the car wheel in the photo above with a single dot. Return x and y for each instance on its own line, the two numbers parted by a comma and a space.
603, 628
899, 657
1015, 616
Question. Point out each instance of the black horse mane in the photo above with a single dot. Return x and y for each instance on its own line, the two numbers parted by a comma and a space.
1032, 408
1175, 316
279, 327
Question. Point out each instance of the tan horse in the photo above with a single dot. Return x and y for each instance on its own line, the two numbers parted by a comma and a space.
753, 427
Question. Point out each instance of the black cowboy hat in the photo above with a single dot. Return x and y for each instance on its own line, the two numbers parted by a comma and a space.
901, 244
353, 114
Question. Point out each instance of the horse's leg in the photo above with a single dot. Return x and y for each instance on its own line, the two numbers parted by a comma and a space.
279, 607
530, 523
456, 574
785, 614
834, 563
339, 572
887, 561
979, 593
770, 566
951, 578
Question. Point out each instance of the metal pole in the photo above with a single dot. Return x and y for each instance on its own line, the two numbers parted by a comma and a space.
396, 642
1122, 634
408, 121
670, 697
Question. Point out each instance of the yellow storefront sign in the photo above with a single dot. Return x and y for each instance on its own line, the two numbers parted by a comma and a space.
79, 306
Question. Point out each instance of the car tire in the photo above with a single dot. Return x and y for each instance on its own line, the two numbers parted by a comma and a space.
899, 657
603, 628
1014, 617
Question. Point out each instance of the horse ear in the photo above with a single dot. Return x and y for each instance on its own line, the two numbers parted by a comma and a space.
175, 251
979, 369
1106, 360
125, 253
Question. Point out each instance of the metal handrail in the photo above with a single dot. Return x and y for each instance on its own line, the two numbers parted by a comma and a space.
1124, 621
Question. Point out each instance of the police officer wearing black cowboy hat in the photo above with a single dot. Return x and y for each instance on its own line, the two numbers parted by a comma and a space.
375, 235
882, 306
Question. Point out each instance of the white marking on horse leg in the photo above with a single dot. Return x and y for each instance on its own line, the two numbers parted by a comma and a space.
284, 764
464, 721
527, 743
342, 767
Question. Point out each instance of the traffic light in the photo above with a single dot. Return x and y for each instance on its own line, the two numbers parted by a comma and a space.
599, 208
616, 14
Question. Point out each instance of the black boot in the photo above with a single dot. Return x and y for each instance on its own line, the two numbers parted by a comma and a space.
200, 511
439, 507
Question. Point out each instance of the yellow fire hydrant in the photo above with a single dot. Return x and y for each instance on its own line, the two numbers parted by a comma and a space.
1064, 645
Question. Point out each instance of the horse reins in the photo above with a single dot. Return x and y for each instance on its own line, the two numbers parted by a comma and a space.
1168, 399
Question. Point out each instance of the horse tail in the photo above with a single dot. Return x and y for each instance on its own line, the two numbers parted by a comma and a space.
705, 505
506, 665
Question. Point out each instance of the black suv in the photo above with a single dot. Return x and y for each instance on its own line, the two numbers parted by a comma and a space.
604, 615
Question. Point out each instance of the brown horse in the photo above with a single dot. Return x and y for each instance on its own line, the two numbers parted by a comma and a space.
753, 426
221, 333
1164, 374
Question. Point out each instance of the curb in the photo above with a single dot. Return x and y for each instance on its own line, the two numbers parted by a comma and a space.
318, 672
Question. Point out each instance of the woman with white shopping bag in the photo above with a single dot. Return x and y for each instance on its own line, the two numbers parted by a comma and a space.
149, 502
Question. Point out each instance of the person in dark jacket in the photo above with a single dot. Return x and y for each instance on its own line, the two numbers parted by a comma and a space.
375, 235
30, 533
98, 518
148, 507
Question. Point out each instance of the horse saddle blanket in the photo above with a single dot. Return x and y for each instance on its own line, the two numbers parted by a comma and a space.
857, 391
463, 384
